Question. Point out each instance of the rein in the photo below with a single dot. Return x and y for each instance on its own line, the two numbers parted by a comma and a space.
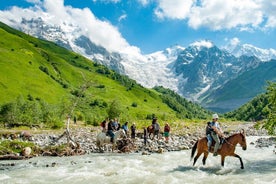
228, 142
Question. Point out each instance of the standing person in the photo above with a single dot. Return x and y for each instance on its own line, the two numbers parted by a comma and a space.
104, 125
125, 128
216, 132
75, 120
133, 130
167, 130
145, 136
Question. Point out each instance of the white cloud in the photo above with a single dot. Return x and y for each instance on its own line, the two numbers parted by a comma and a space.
217, 14
107, 1
34, 1
122, 17
245, 15
269, 7
176, 9
203, 43
234, 41
144, 2
82, 21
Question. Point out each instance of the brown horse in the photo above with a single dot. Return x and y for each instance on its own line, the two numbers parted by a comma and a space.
227, 148
150, 130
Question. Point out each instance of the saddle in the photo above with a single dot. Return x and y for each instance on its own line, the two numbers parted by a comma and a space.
221, 141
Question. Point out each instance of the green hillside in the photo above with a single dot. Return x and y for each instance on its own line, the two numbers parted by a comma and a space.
40, 72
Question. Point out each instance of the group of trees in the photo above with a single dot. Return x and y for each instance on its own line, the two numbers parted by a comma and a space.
184, 108
261, 108
32, 111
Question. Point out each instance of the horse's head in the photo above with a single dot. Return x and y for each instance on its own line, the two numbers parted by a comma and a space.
242, 140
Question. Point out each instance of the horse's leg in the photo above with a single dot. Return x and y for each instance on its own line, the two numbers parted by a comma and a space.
196, 157
222, 160
235, 155
205, 157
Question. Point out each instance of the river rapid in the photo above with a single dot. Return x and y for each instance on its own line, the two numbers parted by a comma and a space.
167, 168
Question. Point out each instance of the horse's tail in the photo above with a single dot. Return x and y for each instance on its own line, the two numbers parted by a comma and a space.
193, 150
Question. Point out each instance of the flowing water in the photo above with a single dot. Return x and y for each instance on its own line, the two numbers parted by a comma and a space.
167, 168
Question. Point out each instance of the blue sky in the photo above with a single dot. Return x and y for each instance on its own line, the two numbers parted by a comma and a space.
153, 25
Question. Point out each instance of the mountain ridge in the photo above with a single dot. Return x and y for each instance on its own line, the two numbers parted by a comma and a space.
43, 72
173, 68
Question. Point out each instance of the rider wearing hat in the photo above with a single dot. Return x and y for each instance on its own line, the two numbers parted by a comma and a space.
216, 132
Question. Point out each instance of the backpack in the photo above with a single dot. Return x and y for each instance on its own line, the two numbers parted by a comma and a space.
208, 128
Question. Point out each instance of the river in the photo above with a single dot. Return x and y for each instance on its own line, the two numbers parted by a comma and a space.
167, 168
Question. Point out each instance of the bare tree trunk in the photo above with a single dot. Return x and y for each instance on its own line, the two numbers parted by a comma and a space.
70, 141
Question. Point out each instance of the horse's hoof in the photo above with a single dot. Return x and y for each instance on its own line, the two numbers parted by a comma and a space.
242, 167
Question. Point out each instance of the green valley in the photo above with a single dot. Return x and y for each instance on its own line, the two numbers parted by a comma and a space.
39, 79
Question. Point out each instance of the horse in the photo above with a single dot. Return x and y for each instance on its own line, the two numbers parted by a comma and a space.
150, 130
227, 148
103, 139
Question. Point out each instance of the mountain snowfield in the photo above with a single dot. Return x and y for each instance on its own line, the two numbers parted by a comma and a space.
192, 72
250, 50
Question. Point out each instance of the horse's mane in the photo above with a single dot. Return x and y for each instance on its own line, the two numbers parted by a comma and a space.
229, 137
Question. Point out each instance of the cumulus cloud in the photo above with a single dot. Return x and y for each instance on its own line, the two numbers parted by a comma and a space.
203, 43
177, 9
245, 15
78, 21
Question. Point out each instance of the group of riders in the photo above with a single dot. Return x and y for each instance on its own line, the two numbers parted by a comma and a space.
213, 130
109, 126
113, 125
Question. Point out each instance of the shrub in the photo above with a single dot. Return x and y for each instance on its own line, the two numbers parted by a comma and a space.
134, 104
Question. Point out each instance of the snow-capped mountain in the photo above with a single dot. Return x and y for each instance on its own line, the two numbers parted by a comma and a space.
250, 50
148, 70
205, 68
193, 72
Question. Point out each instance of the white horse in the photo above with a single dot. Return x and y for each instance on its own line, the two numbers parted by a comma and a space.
103, 139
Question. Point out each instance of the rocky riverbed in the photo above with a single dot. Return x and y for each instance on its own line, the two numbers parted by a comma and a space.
85, 137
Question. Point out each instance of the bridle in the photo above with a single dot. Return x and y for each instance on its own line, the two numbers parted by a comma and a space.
227, 142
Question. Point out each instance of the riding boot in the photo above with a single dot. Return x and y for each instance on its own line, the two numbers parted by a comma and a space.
112, 140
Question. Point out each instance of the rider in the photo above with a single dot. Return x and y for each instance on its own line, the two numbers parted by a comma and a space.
156, 127
110, 129
208, 135
125, 128
216, 132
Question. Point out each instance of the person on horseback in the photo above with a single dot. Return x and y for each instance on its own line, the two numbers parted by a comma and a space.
208, 135
156, 127
125, 128
110, 128
215, 132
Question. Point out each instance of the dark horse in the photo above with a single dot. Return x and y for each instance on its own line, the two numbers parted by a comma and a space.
227, 148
